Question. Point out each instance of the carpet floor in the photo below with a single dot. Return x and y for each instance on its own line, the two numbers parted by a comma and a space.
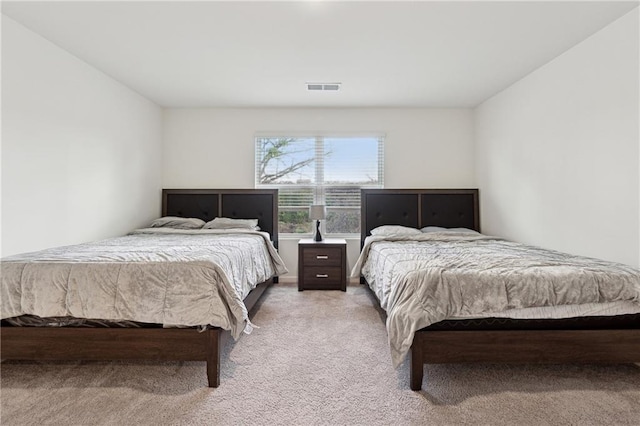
319, 357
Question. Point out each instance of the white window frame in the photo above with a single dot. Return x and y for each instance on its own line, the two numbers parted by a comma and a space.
319, 192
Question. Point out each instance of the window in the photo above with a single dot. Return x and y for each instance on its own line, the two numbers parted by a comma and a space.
327, 170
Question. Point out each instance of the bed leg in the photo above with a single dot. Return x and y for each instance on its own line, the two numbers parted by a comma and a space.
416, 370
213, 357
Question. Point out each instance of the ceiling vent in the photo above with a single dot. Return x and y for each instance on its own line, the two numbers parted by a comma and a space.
323, 86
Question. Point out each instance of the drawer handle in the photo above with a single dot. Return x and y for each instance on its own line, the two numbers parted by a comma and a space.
322, 256
322, 276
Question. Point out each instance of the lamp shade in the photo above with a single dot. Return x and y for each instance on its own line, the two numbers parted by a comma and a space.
317, 212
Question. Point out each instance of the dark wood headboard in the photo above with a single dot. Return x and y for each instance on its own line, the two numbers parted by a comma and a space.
206, 204
417, 208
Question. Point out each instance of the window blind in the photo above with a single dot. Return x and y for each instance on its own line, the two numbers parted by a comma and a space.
328, 170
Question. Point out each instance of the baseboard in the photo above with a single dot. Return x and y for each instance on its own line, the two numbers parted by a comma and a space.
292, 279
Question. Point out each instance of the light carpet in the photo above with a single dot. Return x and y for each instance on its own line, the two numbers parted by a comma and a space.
319, 357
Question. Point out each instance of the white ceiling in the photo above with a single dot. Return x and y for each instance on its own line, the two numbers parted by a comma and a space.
261, 54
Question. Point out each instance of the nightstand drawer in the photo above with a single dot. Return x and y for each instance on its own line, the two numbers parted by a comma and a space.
322, 256
322, 276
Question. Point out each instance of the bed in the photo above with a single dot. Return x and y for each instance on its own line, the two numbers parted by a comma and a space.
139, 340
610, 333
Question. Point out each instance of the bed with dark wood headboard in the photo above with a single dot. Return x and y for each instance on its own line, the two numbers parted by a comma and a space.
155, 343
592, 340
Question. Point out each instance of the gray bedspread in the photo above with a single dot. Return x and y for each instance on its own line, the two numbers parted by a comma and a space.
160, 275
425, 278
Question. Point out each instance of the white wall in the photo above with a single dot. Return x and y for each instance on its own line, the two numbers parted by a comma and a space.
557, 152
214, 148
81, 153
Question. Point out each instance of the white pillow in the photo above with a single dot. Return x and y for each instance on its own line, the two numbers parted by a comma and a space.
394, 230
229, 223
178, 222
428, 229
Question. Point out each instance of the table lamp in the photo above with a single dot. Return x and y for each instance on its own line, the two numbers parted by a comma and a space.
317, 212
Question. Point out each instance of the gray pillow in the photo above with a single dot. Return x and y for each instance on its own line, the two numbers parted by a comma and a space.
394, 230
178, 222
428, 229
229, 223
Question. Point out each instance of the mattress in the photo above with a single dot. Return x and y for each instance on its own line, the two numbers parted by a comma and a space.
423, 279
158, 275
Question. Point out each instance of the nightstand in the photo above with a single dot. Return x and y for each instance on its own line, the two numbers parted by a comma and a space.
322, 265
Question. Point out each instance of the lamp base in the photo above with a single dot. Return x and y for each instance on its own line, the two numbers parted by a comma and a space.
318, 234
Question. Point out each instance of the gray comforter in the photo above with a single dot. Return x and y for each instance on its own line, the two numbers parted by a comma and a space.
425, 278
166, 276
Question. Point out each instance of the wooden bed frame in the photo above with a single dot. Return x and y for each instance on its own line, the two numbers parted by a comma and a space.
460, 208
170, 344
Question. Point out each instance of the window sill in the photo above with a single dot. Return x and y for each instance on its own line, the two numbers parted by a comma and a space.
301, 236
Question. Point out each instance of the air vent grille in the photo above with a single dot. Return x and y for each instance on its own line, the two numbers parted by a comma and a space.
324, 86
